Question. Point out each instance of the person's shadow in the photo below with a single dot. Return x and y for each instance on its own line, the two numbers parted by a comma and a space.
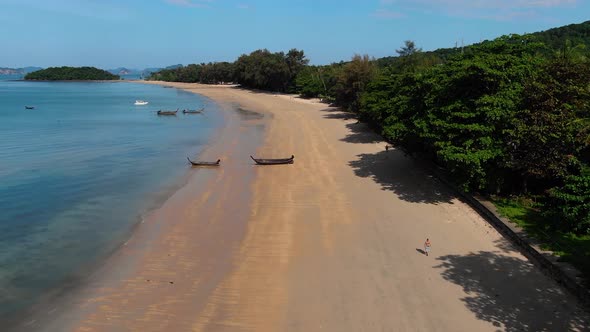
421, 251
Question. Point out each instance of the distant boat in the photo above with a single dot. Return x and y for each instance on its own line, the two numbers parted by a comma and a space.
200, 110
140, 102
167, 112
30, 107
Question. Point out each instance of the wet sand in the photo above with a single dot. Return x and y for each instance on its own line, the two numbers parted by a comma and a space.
332, 242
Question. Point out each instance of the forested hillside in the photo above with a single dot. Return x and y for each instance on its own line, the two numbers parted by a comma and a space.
577, 34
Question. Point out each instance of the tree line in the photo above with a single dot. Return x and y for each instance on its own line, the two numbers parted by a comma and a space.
260, 69
507, 116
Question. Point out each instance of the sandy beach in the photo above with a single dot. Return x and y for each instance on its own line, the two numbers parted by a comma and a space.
332, 242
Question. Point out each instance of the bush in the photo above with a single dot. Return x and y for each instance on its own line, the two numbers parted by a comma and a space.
569, 205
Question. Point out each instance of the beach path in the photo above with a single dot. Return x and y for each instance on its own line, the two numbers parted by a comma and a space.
332, 242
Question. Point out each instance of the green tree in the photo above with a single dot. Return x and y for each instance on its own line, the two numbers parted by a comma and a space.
412, 59
408, 49
473, 100
296, 61
352, 81
395, 103
318, 81
264, 70
546, 134
569, 205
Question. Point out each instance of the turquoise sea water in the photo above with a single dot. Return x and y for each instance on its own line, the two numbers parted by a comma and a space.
79, 170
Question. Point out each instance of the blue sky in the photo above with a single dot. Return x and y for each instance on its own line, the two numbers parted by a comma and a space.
152, 33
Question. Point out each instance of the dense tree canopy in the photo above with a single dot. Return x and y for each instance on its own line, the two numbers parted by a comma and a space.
260, 69
71, 73
352, 81
317, 81
578, 34
265, 70
207, 73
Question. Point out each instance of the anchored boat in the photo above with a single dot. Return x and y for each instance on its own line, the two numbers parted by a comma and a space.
197, 111
167, 112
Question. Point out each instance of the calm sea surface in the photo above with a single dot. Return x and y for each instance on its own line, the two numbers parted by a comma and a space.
78, 171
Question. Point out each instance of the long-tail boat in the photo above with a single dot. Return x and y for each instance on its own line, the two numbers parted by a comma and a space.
279, 161
198, 111
204, 163
167, 112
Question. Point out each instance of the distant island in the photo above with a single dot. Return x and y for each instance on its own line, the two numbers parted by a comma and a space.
132, 73
17, 71
71, 74
122, 72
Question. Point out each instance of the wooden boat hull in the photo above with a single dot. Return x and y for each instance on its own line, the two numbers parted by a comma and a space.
199, 111
204, 163
167, 112
280, 161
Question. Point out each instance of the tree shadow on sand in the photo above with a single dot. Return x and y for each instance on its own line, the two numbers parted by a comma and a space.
506, 246
339, 115
392, 169
359, 131
398, 173
511, 294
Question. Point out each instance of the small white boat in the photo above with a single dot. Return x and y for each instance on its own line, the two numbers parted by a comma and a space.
140, 102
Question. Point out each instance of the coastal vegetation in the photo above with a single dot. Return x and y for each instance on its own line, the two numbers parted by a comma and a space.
509, 117
71, 74
260, 69
205, 73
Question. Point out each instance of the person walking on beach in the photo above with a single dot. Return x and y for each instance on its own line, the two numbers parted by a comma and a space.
427, 247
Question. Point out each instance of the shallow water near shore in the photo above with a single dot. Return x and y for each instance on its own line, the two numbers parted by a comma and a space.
79, 170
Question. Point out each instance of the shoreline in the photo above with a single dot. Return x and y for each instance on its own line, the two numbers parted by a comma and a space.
77, 288
29, 291
331, 242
